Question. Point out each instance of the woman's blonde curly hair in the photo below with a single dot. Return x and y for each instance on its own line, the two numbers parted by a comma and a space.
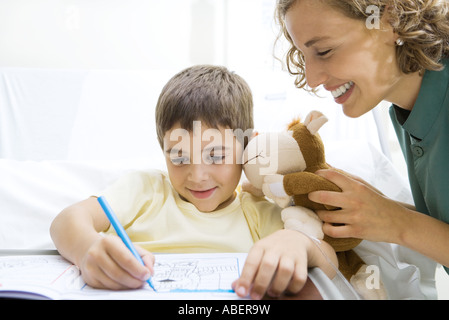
423, 25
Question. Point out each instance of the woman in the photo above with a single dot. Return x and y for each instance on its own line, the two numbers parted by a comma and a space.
365, 52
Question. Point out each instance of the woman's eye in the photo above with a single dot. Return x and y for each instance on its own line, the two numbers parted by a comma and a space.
323, 53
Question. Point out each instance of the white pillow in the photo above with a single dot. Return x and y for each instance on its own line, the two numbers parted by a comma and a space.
32, 193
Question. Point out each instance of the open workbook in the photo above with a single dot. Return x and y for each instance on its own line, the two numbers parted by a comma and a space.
199, 276
177, 276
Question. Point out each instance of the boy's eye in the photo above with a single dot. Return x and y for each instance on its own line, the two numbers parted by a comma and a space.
212, 159
180, 160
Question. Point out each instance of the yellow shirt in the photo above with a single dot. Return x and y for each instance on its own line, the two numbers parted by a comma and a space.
157, 219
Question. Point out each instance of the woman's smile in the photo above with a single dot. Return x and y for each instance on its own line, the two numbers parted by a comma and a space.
342, 93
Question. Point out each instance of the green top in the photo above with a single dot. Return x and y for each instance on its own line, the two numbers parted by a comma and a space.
423, 134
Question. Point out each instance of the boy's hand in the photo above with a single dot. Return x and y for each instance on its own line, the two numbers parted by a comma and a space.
108, 264
276, 264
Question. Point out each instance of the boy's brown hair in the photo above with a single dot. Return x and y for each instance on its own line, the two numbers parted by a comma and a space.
206, 93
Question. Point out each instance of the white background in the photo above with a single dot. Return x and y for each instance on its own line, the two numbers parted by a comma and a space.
169, 35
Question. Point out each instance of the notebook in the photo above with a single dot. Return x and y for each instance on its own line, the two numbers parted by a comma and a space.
177, 276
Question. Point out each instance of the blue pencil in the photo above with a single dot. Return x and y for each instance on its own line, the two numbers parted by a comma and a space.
121, 232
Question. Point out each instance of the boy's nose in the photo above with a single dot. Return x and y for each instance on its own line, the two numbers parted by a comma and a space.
199, 172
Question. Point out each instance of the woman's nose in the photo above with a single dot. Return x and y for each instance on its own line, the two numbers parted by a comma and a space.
316, 74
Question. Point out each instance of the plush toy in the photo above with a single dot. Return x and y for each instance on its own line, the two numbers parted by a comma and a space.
282, 166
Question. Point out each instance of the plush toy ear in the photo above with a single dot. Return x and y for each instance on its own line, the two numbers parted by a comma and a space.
314, 121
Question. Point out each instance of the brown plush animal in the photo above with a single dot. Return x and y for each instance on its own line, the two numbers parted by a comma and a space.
282, 166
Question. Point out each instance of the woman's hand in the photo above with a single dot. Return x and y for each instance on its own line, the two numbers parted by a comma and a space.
365, 213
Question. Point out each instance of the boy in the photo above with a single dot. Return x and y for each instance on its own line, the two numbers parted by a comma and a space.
203, 119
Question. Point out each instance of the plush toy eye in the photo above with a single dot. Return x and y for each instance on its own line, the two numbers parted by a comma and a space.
260, 155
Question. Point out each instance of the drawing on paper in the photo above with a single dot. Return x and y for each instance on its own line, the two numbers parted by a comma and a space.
52, 275
195, 274
50, 270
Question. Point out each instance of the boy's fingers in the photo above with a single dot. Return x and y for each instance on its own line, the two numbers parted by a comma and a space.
250, 269
264, 276
124, 278
108, 282
105, 273
284, 274
298, 280
148, 260
128, 270
147, 257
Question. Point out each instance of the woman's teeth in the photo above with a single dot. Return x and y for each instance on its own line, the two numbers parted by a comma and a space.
340, 91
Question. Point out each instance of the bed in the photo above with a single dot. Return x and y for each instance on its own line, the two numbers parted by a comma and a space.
65, 134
